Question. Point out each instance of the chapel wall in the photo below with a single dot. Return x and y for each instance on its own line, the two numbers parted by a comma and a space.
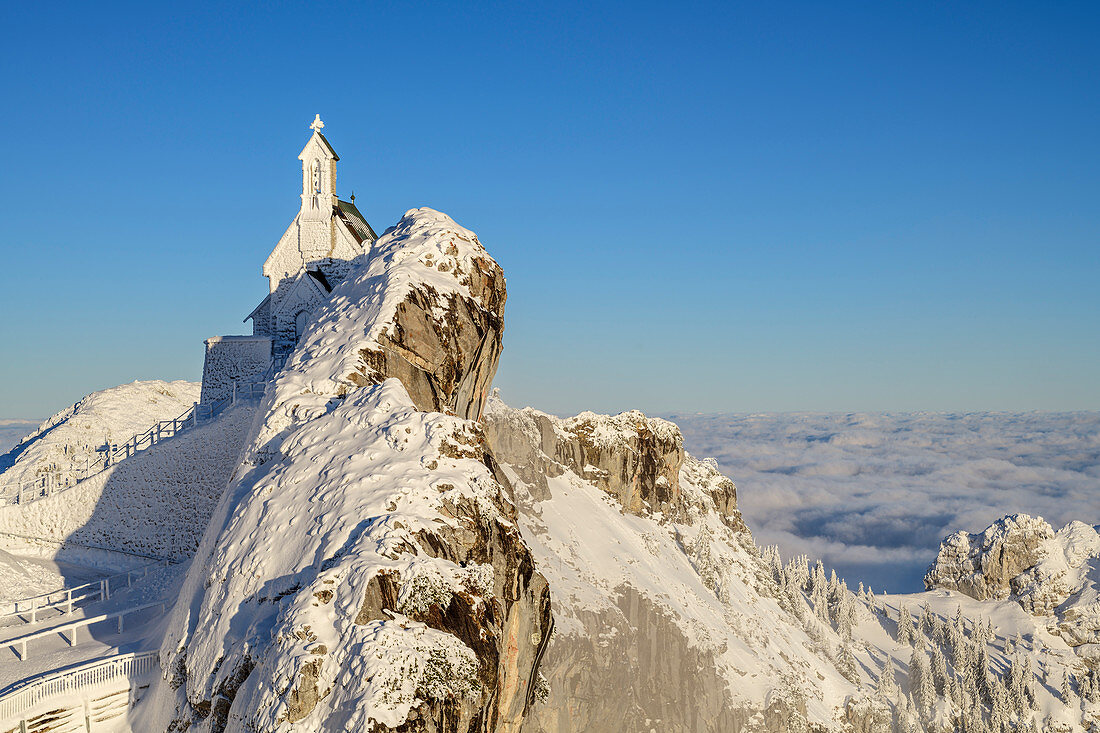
232, 359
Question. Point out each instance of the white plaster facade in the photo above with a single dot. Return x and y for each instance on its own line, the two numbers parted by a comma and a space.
315, 253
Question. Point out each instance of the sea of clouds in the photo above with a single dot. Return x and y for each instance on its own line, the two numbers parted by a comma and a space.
873, 494
13, 430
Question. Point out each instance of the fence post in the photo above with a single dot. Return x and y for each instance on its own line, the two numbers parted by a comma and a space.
69, 601
195, 414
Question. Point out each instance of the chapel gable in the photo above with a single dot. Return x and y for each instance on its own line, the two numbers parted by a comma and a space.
323, 242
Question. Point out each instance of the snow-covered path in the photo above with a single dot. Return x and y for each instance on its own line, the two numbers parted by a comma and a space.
141, 631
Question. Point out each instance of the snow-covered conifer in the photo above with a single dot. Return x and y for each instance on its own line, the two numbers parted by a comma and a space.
939, 670
887, 685
905, 626
921, 683
1066, 689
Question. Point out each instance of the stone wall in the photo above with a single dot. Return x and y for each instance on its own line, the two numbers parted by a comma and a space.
232, 359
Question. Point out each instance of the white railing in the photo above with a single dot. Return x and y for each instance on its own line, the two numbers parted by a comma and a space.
19, 643
65, 599
49, 483
131, 668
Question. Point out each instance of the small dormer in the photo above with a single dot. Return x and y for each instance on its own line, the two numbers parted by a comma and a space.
318, 175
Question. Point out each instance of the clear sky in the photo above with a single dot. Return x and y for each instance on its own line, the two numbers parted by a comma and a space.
699, 207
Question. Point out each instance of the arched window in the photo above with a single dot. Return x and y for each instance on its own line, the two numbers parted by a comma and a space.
300, 324
316, 176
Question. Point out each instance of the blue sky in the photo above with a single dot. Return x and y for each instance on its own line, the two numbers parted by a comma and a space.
699, 207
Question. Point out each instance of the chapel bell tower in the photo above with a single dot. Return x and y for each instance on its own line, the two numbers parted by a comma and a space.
318, 175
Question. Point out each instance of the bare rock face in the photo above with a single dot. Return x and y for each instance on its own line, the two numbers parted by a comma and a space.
365, 570
443, 347
636, 459
1022, 558
429, 310
666, 617
983, 565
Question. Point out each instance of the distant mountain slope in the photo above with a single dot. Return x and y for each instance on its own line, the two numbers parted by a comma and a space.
69, 438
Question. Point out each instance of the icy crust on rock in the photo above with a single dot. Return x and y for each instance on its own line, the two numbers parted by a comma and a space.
1022, 558
68, 439
325, 586
655, 605
429, 301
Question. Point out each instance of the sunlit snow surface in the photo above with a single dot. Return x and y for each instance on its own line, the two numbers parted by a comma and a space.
872, 494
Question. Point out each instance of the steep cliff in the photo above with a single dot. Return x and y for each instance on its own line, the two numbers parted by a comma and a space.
667, 616
364, 570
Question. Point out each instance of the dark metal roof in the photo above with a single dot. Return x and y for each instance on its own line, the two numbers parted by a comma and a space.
356, 222
321, 279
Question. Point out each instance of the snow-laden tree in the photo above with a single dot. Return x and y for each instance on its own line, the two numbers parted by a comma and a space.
939, 670
906, 633
1069, 697
887, 685
847, 664
926, 619
921, 683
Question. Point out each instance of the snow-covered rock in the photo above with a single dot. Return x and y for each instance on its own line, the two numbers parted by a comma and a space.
666, 615
67, 440
427, 308
1022, 558
364, 570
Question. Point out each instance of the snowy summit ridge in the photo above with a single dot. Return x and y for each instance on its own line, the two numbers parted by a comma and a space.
364, 525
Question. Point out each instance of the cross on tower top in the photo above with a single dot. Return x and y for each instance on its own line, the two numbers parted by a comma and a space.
317, 124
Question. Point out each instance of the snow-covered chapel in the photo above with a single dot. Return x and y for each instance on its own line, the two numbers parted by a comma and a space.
314, 254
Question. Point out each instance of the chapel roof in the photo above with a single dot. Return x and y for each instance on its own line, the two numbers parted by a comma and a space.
355, 221
328, 147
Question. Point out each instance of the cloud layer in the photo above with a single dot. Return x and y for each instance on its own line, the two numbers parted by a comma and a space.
13, 430
872, 494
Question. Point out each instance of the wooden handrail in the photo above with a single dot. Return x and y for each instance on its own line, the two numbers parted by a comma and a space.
41, 485
19, 643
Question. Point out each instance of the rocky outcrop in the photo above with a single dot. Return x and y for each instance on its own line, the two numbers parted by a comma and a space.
983, 565
365, 570
636, 459
431, 300
1022, 558
666, 618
